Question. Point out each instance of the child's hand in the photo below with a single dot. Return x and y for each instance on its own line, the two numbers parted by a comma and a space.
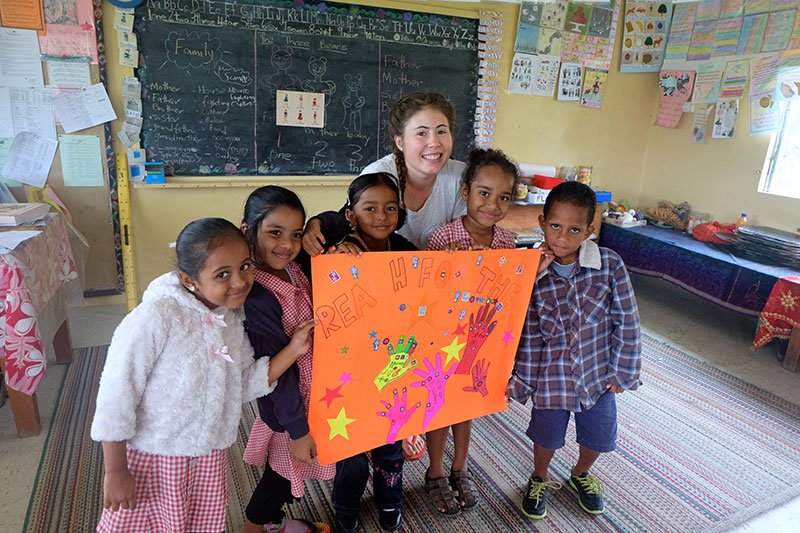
547, 258
302, 337
616, 389
304, 449
118, 490
313, 239
345, 248
508, 398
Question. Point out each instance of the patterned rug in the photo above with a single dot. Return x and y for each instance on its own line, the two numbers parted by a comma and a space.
699, 450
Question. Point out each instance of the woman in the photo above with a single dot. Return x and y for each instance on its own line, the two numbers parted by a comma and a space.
420, 125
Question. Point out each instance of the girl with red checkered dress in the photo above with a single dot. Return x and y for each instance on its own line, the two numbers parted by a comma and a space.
279, 303
179, 368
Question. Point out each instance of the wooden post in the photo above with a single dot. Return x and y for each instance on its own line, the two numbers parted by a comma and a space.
25, 410
62, 343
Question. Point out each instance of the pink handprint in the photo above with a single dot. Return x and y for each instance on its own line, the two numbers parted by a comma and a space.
435, 381
479, 371
480, 328
397, 414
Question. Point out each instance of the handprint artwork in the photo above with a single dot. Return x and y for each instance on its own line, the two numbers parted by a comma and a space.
422, 348
399, 362
434, 380
397, 414
479, 329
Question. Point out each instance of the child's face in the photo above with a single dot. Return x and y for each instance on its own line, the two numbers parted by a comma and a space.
565, 228
426, 143
226, 277
376, 212
489, 196
279, 238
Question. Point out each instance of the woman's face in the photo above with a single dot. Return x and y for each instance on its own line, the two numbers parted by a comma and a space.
426, 143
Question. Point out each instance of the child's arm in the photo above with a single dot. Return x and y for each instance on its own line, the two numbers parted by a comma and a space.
118, 484
300, 343
626, 345
327, 227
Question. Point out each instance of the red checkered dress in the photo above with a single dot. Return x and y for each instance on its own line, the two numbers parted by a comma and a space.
295, 301
173, 495
456, 232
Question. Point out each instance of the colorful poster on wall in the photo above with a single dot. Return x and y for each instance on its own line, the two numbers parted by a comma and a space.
727, 39
523, 73
546, 76
734, 80
408, 342
680, 33
70, 30
765, 115
725, 119
779, 29
675, 88
707, 82
21, 14
569, 82
644, 36
702, 44
579, 32
700, 124
594, 87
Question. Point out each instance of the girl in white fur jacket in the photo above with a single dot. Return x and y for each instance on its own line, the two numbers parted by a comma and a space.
178, 370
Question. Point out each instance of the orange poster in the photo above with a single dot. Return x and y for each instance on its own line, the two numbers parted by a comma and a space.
25, 14
407, 342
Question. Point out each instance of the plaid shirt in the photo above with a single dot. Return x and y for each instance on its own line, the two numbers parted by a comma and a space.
456, 232
580, 336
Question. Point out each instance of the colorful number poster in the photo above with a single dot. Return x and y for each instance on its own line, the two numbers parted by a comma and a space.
680, 34
594, 87
644, 36
727, 39
752, 36
408, 342
779, 29
702, 43
765, 115
675, 87
725, 119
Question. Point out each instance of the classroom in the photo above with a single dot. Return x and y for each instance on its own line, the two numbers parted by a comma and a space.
684, 114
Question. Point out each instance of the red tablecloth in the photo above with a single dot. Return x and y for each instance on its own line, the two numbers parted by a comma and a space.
29, 277
781, 313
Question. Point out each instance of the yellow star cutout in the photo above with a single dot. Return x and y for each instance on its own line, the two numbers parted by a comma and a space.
452, 351
788, 300
339, 425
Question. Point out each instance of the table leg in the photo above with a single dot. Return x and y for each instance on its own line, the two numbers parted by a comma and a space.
62, 343
791, 360
26, 413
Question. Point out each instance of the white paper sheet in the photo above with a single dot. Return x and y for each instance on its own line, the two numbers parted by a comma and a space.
20, 65
5, 147
30, 158
6, 117
68, 72
11, 239
32, 111
84, 108
81, 163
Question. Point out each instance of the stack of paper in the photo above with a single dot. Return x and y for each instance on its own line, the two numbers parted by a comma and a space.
18, 214
768, 245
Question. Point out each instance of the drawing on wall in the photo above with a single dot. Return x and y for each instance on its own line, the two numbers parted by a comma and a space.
644, 36
352, 102
594, 87
425, 340
725, 119
300, 110
675, 89
569, 82
281, 60
61, 12
318, 66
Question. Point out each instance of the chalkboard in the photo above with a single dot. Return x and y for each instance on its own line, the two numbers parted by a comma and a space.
210, 71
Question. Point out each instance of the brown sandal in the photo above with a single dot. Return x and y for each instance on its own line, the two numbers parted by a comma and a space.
442, 496
461, 481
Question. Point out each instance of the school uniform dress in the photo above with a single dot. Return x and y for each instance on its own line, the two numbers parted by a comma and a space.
387, 461
442, 238
282, 418
172, 387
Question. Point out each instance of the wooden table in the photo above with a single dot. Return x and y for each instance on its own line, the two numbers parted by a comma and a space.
780, 319
33, 283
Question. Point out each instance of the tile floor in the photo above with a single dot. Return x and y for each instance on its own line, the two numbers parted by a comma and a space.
704, 329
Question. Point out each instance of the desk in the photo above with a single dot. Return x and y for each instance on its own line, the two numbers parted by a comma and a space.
781, 318
709, 271
34, 280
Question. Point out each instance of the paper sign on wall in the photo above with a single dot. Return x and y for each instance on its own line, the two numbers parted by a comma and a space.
307, 110
408, 342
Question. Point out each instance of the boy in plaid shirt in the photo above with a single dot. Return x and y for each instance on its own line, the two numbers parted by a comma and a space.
580, 346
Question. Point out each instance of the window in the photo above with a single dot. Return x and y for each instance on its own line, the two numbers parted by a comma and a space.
780, 175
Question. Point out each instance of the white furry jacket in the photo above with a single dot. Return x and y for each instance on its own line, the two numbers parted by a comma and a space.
177, 374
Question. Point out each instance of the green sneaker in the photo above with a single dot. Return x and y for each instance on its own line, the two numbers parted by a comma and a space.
590, 492
534, 502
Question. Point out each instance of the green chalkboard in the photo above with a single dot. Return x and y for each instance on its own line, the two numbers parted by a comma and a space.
210, 70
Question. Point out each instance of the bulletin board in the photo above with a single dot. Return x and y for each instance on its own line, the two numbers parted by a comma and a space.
211, 71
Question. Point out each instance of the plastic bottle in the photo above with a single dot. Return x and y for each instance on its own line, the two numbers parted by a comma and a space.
742, 221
